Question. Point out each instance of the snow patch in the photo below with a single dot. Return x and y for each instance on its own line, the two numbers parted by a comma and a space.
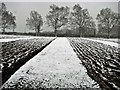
105, 42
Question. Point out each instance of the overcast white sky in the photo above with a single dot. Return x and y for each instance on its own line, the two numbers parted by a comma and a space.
22, 9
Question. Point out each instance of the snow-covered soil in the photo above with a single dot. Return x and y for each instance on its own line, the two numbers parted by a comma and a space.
115, 40
101, 61
8, 38
57, 66
105, 42
17, 53
13, 36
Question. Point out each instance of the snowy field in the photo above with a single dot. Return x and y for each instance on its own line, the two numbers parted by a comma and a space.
16, 53
64, 63
111, 42
116, 40
57, 66
8, 38
12, 36
101, 60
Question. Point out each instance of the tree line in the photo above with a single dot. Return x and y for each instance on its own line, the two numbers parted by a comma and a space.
76, 21
7, 19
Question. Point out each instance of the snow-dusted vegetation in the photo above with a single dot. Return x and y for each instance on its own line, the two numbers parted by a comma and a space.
101, 61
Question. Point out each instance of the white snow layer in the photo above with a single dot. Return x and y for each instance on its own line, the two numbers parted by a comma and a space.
105, 42
8, 40
55, 66
19, 38
14, 39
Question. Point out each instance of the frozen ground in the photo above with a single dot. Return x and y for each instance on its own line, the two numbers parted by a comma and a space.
8, 38
115, 40
105, 42
57, 66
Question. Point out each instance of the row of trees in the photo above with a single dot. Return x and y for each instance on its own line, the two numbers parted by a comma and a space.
108, 20
7, 19
60, 18
79, 19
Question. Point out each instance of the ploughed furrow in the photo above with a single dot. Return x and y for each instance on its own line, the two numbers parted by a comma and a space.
55, 67
16, 53
101, 61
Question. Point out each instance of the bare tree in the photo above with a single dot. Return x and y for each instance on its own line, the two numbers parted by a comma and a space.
7, 19
57, 17
79, 17
107, 19
35, 21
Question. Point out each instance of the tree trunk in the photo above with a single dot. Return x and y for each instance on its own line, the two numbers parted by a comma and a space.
3, 30
108, 27
80, 31
38, 30
94, 32
55, 32
13, 31
108, 33
35, 32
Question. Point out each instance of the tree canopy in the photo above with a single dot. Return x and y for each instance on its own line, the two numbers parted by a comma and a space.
34, 21
7, 19
107, 19
65, 21
80, 18
57, 17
